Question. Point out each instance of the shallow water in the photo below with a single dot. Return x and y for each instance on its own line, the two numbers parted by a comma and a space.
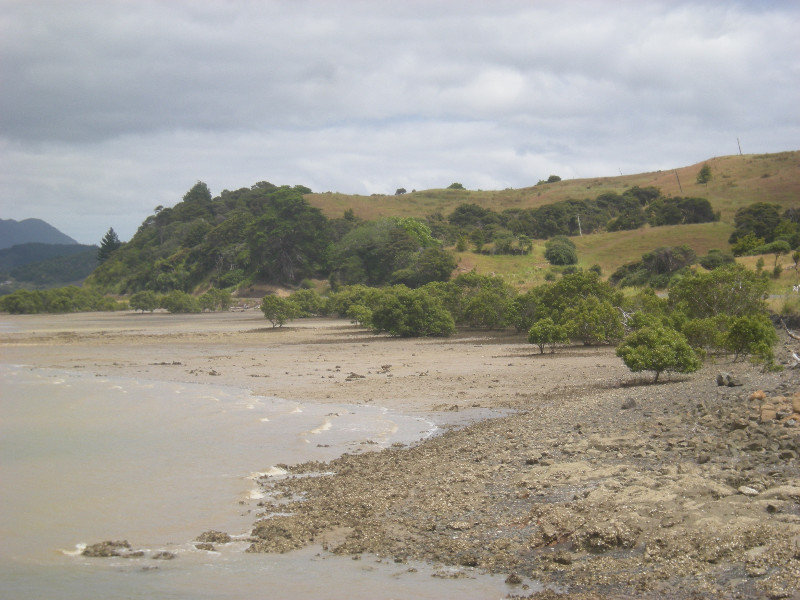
85, 458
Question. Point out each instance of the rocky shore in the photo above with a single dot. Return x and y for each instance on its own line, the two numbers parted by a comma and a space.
598, 483
682, 490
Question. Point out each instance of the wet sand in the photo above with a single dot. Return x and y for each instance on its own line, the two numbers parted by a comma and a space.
596, 483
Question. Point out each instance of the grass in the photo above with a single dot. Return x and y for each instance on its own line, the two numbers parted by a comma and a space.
736, 182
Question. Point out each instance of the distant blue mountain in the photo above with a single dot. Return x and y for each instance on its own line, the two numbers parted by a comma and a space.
30, 230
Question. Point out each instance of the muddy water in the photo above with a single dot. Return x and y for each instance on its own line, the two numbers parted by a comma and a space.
86, 458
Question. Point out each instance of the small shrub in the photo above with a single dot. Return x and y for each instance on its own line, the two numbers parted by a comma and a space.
546, 332
658, 349
278, 310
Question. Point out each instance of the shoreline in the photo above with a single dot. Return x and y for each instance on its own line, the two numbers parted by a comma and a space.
593, 483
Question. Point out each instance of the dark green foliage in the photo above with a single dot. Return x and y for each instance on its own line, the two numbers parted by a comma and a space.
658, 349
339, 302
751, 335
58, 300
643, 195
278, 310
398, 250
656, 267
708, 334
309, 303
704, 175
593, 321
180, 302
400, 191
215, 300
546, 332
747, 245
45, 265
144, 301
680, 211
778, 248
263, 232
715, 259
108, 245
455, 186
761, 219
411, 313
732, 290
551, 179
560, 250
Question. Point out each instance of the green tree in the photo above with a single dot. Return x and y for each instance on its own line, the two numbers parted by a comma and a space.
455, 186
560, 250
309, 303
411, 313
704, 175
731, 289
215, 299
593, 321
177, 301
108, 245
751, 335
278, 310
545, 332
144, 300
658, 349
760, 218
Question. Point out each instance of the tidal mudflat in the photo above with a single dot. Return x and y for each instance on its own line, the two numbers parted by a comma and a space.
561, 469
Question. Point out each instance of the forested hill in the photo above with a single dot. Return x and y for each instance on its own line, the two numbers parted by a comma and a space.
285, 234
30, 230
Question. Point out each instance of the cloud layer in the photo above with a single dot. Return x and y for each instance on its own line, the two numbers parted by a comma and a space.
111, 108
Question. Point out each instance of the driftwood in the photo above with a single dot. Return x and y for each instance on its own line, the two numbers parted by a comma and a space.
792, 335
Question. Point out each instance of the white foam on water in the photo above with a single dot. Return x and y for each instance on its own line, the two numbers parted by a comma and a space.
297, 409
326, 425
264, 419
77, 551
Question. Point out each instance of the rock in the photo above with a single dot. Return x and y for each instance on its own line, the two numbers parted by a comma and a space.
747, 491
459, 525
513, 579
796, 402
768, 412
205, 546
757, 396
783, 492
726, 379
214, 537
163, 555
107, 549
629, 403
605, 536
562, 558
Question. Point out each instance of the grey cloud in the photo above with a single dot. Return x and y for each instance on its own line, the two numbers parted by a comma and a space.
111, 108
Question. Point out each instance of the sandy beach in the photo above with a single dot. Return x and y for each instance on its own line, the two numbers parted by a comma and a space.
591, 482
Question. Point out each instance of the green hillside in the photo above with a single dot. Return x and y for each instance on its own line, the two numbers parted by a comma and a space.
282, 235
40, 266
736, 182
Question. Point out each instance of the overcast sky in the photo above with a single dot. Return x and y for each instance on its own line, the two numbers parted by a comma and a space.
108, 109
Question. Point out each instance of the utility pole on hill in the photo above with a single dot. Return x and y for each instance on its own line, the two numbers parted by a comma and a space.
679, 181
738, 143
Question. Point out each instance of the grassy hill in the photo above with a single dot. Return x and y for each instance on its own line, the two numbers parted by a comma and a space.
737, 181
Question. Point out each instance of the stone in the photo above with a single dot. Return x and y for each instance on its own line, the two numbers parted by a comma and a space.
629, 403
729, 380
747, 491
205, 546
768, 412
107, 549
796, 402
163, 555
513, 579
214, 537
757, 396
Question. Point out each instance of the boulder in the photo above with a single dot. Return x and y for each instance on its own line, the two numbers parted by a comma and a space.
727, 379
107, 549
214, 537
